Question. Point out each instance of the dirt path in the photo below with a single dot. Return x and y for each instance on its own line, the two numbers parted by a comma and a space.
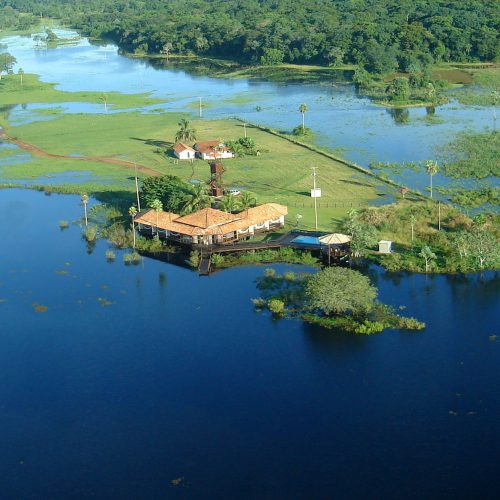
99, 159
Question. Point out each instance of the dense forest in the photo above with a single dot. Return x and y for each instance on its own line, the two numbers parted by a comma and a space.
380, 35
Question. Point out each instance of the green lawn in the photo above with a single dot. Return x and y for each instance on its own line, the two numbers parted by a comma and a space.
282, 173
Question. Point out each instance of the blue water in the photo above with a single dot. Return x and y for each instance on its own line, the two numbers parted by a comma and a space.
306, 240
179, 377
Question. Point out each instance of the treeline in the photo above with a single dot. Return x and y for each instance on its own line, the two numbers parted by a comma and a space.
380, 35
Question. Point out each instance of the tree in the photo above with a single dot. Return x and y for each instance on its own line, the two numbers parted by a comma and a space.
196, 199
157, 206
399, 89
228, 203
484, 247
85, 200
338, 290
132, 211
169, 189
104, 99
6, 62
432, 169
20, 72
413, 219
362, 235
247, 200
428, 255
335, 56
166, 49
185, 132
303, 111
272, 57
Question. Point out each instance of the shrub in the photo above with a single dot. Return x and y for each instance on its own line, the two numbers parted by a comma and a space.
276, 306
63, 224
217, 259
194, 259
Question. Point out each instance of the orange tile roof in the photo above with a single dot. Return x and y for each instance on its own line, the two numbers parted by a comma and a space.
212, 222
180, 147
208, 217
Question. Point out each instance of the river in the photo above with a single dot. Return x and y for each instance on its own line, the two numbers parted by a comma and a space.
341, 120
117, 380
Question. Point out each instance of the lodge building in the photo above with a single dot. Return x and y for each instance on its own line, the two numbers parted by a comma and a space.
210, 226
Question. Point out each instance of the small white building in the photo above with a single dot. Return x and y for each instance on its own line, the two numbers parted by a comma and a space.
184, 152
384, 246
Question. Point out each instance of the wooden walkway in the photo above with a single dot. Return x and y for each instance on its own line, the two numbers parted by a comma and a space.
205, 263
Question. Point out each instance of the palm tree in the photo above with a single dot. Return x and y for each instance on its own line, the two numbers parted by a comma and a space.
303, 110
228, 203
185, 132
85, 200
247, 200
196, 200
132, 211
157, 206
413, 219
432, 169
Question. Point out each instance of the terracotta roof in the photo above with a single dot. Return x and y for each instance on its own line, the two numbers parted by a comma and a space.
180, 147
208, 146
212, 222
166, 220
208, 217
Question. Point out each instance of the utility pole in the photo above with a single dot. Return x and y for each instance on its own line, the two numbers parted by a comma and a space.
315, 202
137, 189
201, 111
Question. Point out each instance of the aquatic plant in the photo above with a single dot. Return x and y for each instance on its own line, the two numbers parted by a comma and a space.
63, 224
110, 255
90, 233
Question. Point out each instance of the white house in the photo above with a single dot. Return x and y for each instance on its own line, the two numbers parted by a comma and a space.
212, 150
184, 152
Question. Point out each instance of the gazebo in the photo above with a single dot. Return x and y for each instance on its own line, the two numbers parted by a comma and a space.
337, 244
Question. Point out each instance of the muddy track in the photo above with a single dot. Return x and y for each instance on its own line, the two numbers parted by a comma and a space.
99, 159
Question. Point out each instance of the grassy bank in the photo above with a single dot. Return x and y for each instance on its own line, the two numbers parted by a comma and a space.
32, 90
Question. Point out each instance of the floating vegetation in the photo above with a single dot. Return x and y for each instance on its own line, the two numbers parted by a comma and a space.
131, 258
3, 300
105, 302
62, 272
177, 482
90, 233
63, 224
493, 338
110, 256
39, 308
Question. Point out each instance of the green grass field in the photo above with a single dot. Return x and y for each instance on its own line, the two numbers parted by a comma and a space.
33, 90
282, 173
